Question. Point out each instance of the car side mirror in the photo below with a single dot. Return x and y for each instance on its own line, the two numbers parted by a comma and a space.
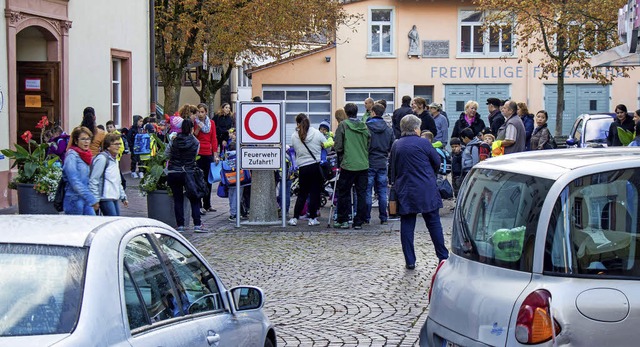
571, 142
247, 298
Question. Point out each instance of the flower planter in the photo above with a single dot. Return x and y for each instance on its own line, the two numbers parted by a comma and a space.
160, 207
32, 202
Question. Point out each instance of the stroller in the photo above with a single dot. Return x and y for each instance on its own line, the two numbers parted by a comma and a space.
330, 167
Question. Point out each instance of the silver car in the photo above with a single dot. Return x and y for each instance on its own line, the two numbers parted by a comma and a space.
545, 251
590, 130
102, 281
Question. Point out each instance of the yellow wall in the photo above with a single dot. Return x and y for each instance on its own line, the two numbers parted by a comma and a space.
435, 20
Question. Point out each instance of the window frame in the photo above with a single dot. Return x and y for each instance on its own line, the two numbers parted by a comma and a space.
486, 39
391, 104
116, 90
380, 24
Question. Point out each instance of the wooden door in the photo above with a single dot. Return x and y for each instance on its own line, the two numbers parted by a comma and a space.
38, 95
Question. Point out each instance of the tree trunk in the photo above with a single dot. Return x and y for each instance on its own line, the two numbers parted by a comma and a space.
264, 208
171, 97
560, 104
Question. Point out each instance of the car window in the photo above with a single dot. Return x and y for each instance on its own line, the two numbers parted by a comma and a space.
151, 284
197, 284
596, 130
497, 218
594, 226
578, 130
40, 288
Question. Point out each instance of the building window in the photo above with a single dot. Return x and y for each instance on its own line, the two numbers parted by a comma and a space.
314, 101
425, 92
358, 95
121, 88
191, 75
116, 91
381, 32
496, 41
243, 80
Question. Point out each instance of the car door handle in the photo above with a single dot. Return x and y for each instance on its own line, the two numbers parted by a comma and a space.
213, 338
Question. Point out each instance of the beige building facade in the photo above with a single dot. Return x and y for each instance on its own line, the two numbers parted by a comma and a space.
448, 60
63, 55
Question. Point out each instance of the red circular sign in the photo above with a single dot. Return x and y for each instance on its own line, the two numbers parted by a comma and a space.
273, 127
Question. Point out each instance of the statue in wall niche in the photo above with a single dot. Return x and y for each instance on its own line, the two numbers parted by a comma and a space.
414, 40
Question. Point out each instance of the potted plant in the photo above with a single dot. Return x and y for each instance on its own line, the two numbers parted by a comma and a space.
38, 173
154, 186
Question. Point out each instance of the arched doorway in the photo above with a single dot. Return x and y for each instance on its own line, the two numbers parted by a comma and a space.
38, 79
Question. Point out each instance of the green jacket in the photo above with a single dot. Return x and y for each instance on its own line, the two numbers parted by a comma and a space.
352, 145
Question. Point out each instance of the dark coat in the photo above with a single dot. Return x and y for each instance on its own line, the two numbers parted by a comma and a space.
496, 120
400, 112
627, 124
381, 141
182, 152
428, 123
414, 163
527, 121
477, 125
223, 124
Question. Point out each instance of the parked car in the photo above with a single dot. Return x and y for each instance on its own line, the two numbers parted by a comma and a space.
103, 281
545, 251
590, 130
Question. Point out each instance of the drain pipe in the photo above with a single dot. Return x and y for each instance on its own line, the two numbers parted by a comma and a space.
152, 58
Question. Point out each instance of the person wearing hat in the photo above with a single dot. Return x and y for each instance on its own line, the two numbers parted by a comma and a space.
496, 118
442, 125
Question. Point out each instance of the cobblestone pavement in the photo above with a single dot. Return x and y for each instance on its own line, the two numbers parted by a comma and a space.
323, 287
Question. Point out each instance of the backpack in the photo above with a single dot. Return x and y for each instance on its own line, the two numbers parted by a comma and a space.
484, 151
228, 176
142, 144
445, 161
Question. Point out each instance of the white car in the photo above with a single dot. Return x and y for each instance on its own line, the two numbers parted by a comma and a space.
111, 281
545, 251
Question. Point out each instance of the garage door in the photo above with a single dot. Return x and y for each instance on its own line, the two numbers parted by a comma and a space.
315, 101
578, 99
457, 95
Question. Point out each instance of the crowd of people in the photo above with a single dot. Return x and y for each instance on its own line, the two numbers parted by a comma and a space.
378, 154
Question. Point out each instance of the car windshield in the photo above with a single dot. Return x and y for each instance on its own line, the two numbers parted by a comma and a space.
40, 288
594, 228
497, 217
596, 130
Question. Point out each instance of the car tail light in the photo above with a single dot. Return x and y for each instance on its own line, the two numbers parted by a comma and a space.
433, 278
535, 322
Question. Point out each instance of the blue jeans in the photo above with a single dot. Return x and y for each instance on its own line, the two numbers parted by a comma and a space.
378, 179
233, 208
287, 196
407, 228
109, 207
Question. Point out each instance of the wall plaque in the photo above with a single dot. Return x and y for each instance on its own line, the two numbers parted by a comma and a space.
435, 49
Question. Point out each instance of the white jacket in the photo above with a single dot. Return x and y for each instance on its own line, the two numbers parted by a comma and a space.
314, 141
106, 184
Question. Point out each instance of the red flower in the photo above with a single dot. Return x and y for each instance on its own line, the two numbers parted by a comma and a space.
26, 136
43, 123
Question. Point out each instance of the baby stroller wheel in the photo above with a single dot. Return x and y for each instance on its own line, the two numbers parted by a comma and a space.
323, 200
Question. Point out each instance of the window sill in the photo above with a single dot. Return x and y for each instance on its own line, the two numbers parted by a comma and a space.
381, 56
484, 56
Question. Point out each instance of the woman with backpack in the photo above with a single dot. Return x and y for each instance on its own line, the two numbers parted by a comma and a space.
541, 136
105, 180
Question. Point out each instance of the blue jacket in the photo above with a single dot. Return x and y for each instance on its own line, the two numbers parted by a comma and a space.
77, 196
527, 121
414, 163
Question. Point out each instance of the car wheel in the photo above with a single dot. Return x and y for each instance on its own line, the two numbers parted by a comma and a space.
268, 343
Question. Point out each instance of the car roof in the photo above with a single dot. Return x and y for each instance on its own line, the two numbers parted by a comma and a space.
64, 230
554, 163
598, 115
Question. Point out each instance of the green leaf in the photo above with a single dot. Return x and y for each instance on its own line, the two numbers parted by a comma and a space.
30, 169
625, 136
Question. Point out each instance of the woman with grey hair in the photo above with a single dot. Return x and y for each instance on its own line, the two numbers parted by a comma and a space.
414, 163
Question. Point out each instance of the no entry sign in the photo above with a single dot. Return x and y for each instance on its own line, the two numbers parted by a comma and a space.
260, 123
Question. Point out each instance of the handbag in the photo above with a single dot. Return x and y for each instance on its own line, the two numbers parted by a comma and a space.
393, 202
223, 191
58, 200
444, 187
215, 172
194, 184
322, 173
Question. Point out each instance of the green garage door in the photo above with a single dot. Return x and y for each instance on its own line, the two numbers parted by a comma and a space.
578, 99
457, 95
